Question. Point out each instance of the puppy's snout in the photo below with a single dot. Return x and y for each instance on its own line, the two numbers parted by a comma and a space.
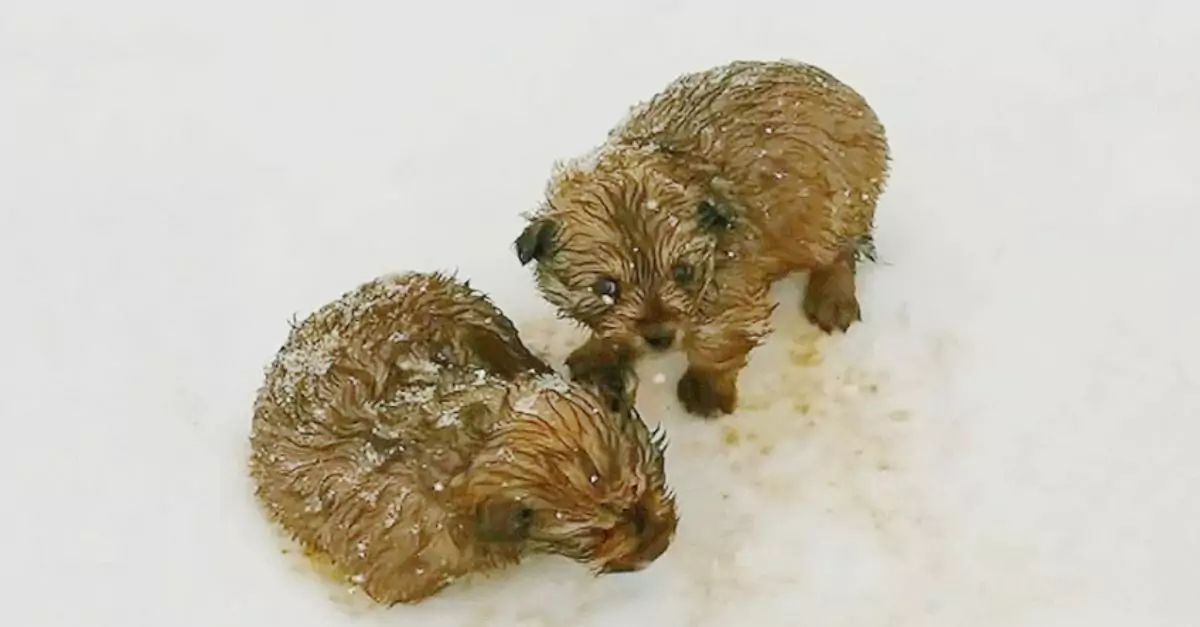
658, 336
651, 545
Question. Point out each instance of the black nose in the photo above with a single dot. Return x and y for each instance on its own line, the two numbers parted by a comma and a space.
658, 337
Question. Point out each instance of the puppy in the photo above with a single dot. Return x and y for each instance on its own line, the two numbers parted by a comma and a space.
671, 233
406, 433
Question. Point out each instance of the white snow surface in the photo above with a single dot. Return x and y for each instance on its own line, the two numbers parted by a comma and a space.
1008, 438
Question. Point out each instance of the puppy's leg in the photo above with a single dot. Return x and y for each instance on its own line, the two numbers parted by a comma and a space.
607, 367
830, 301
707, 392
718, 351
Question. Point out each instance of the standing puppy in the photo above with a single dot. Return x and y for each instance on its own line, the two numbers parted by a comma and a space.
406, 433
672, 232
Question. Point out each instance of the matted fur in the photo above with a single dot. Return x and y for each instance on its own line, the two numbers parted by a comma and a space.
726, 181
406, 433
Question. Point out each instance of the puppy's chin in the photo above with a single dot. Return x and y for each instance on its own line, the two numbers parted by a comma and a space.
656, 346
662, 339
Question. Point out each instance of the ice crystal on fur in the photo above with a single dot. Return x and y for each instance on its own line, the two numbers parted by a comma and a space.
306, 361
448, 418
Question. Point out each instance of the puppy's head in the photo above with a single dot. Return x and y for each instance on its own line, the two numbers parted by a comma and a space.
628, 252
562, 474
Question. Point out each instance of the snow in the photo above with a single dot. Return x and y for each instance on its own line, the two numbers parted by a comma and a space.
552, 383
1016, 444
526, 403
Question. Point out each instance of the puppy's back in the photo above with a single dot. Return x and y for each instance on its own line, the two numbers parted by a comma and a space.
372, 405
772, 135
699, 108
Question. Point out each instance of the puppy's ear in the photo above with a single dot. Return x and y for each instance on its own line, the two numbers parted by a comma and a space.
535, 240
714, 217
503, 521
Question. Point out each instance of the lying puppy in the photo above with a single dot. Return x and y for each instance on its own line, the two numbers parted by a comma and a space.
406, 433
672, 232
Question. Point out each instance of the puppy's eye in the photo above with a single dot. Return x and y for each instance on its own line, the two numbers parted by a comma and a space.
684, 273
606, 288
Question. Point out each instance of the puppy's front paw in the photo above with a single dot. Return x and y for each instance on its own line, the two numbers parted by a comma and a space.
613, 379
706, 395
582, 364
830, 302
617, 385
830, 311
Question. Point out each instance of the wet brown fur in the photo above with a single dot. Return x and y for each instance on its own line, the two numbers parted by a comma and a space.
406, 433
744, 174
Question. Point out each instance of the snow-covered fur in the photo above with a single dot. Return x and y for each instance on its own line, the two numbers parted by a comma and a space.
671, 233
405, 433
